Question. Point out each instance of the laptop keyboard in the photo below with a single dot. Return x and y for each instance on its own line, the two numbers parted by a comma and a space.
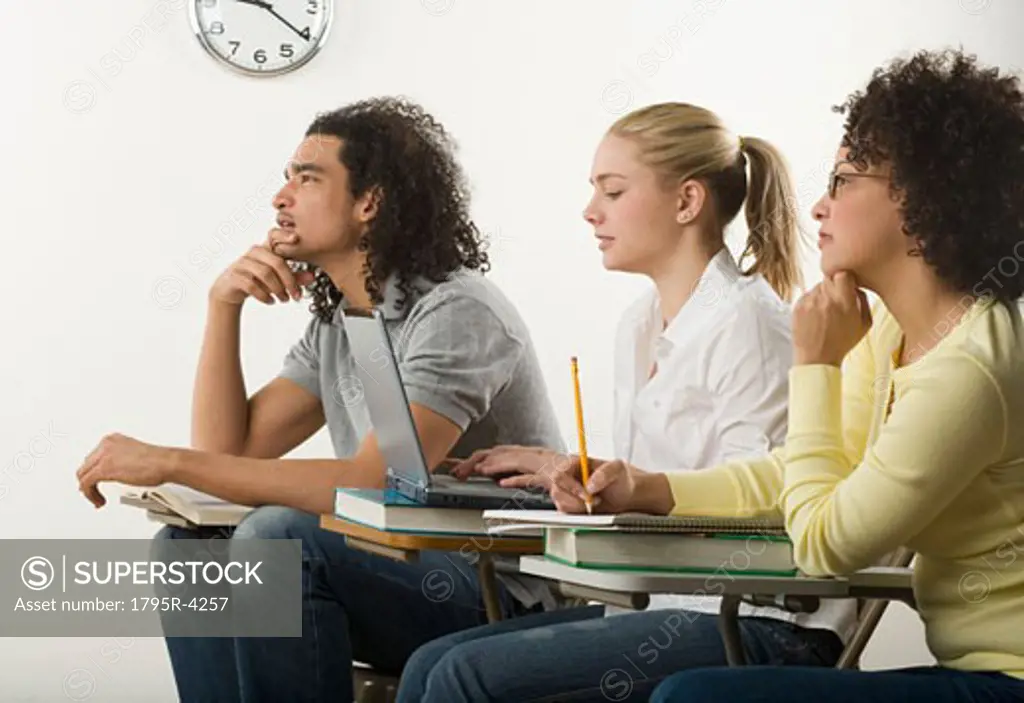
477, 485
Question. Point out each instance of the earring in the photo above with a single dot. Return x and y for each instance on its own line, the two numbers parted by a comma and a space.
683, 218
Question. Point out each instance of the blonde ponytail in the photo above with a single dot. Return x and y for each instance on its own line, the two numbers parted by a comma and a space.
682, 142
774, 233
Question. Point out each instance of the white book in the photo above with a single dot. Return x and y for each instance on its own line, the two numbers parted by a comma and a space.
511, 520
193, 506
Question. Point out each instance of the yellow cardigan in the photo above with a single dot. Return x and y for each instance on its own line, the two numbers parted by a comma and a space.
942, 474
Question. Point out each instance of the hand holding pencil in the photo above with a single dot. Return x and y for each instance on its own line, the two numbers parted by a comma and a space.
613, 487
584, 468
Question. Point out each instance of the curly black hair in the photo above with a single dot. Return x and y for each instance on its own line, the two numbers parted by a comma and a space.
953, 134
422, 226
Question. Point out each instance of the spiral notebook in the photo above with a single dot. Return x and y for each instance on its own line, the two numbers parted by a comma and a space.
512, 520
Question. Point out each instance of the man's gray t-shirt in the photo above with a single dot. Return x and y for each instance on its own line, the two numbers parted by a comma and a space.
463, 351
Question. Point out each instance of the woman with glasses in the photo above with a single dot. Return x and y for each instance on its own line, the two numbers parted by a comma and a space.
917, 441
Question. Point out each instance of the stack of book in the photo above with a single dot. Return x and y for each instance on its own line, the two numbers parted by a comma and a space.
632, 541
390, 511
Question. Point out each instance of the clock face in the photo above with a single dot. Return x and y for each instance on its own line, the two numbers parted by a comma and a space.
261, 37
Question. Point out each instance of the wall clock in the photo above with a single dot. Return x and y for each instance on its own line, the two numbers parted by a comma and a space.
261, 37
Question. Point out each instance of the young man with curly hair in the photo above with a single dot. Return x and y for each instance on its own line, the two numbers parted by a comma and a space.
375, 201
904, 421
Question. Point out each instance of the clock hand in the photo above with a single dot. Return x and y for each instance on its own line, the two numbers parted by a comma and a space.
304, 35
270, 8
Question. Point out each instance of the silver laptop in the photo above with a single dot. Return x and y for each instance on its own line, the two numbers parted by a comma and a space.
388, 405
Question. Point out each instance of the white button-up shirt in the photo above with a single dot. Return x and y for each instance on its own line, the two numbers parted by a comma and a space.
719, 392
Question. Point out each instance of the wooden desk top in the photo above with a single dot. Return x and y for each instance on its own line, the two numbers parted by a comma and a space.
438, 541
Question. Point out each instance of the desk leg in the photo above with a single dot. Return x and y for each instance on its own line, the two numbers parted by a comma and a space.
489, 587
406, 555
729, 628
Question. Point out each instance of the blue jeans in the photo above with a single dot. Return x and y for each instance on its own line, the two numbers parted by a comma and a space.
354, 606
796, 684
579, 655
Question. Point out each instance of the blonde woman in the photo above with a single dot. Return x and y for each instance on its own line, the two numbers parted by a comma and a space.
701, 372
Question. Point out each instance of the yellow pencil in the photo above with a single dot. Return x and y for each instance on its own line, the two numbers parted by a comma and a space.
584, 469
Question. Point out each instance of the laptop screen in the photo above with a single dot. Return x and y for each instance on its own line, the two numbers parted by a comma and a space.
384, 394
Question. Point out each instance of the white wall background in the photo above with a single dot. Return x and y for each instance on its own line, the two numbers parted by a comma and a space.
127, 193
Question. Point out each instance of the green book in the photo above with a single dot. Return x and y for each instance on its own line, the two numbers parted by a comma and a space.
712, 552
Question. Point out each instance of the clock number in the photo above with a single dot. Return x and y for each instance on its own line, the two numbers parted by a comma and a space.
312, 7
234, 46
287, 51
217, 28
305, 33
259, 56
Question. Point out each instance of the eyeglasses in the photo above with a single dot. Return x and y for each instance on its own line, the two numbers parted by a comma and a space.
835, 179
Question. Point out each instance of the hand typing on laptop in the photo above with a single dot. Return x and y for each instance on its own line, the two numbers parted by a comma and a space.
514, 466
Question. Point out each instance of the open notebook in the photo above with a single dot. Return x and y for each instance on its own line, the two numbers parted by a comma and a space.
184, 506
513, 520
